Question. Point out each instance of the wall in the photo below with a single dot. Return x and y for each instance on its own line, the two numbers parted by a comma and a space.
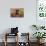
24, 24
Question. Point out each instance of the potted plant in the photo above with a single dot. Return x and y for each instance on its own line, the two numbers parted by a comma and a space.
39, 36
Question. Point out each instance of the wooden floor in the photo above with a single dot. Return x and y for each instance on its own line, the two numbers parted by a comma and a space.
13, 44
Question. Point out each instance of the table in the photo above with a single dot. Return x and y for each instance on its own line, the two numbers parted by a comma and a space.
27, 37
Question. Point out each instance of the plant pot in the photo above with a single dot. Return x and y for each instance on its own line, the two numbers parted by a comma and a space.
38, 40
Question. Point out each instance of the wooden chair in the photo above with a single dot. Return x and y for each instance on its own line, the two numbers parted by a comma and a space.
7, 34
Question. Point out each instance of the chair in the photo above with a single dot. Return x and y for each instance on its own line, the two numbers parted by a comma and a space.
14, 32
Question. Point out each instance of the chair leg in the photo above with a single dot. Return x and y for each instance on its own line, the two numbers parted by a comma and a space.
17, 39
5, 43
5, 40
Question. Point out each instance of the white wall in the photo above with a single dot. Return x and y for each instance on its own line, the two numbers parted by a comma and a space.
23, 23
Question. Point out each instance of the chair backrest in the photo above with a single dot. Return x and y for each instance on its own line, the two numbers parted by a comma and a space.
14, 30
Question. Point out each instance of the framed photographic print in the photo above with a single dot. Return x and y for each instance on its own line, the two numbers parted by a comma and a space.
17, 12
